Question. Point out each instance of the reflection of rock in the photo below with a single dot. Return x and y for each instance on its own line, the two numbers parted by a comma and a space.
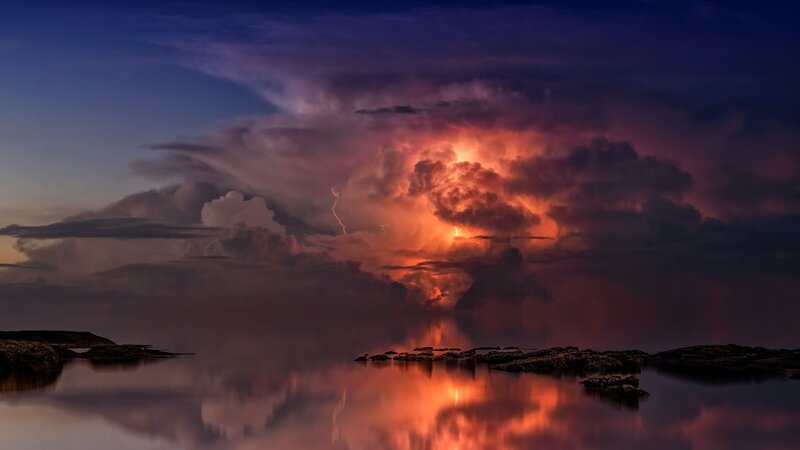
720, 363
28, 381
622, 390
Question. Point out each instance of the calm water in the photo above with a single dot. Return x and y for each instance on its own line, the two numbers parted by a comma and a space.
264, 380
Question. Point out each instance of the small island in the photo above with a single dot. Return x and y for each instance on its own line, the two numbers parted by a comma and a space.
611, 375
33, 359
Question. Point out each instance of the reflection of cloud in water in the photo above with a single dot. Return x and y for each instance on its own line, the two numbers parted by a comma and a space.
260, 381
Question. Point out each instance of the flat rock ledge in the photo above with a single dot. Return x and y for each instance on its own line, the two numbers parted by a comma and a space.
610, 375
721, 363
40, 350
556, 361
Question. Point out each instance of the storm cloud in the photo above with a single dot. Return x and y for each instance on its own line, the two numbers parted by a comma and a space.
454, 136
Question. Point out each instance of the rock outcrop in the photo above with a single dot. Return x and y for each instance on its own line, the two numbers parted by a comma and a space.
572, 361
621, 390
33, 359
57, 338
27, 356
609, 375
720, 363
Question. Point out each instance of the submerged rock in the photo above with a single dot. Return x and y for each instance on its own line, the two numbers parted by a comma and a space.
617, 389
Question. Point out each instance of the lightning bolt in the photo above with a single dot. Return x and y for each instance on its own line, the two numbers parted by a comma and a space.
333, 210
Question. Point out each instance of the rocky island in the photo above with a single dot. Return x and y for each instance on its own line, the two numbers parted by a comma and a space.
611, 375
32, 359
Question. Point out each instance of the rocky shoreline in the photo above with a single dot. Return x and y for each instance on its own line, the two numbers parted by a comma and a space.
32, 359
611, 375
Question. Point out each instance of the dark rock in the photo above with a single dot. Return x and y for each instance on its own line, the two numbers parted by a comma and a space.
413, 357
390, 352
28, 356
76, 339
124, 353
380, 358
616, 386
571, 361
449, 356
36, 359
721, 363
498, 356
617, 389
448, 349
361, 358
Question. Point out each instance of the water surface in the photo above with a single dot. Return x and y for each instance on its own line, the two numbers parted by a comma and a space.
259, 380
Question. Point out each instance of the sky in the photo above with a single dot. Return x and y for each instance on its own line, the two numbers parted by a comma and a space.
481, 156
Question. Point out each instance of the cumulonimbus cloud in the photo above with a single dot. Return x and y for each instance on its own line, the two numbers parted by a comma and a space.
446, 160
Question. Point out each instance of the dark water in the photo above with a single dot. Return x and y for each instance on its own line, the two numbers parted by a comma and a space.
274, 380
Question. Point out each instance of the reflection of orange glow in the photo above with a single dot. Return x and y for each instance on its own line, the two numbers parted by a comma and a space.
439, 334
445, 409
538, 419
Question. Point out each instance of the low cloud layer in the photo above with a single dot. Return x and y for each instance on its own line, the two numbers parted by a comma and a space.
116, 228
